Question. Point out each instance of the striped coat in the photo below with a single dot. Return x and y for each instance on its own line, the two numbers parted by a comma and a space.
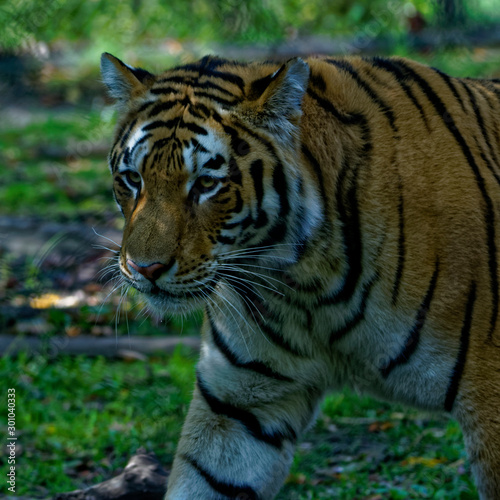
338, 220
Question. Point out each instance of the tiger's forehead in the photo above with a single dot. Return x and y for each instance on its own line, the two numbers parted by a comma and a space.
206, 79
173, 140
176, 114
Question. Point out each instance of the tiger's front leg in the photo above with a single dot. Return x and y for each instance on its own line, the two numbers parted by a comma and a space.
240, 432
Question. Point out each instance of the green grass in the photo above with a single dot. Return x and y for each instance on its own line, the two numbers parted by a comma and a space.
80, 419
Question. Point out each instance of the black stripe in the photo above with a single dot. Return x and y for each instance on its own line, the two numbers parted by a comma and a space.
246, 418
234, 172
164, 90
265, 142
257, 87
198, 147
413, 338
448, 81
257, 172
318, 81
278, 232
256, 366
387, 111
489, 215
255, 303
161, 107
183, 80
215, 163
238, 145
143, 139
162, 124
126, 157
122, 183
247, 221
192, 127
191, 110
319, 175
387, 65
492, 107
158, 145
126, 135
348, 211
346, 119
401, 246
211, 85
229, 77
202, 109
218, 99
480, 121
235, 139
204, 70
176, 122
146, 105
213, 62
458, 369
280, 185
340, 333
224, 190
113, 157
225, 240
238, 204
236, 491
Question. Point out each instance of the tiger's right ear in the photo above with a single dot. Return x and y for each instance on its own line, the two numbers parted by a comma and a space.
124, 82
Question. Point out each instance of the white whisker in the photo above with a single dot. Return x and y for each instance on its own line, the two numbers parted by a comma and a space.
264, 277
261, 248
228, 302
102, 247
244, 282
106, 238
251, 307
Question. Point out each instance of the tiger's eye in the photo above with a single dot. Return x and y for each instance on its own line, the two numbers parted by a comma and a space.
133, 177
207, 182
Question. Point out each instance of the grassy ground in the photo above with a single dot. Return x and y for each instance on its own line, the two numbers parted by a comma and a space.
79, 419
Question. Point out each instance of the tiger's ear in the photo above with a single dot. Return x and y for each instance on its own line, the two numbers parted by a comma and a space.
275, 101
124, 82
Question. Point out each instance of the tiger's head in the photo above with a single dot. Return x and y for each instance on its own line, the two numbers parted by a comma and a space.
204, 166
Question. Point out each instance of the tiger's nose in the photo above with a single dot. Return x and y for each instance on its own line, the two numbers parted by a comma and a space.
151, 272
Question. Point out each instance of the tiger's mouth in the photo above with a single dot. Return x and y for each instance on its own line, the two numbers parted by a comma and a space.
182, 299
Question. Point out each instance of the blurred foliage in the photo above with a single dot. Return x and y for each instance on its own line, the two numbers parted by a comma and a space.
50, 168
131, 21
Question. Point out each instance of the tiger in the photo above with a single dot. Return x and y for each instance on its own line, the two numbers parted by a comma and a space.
338, 221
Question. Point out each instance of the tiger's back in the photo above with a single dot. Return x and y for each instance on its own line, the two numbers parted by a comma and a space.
339, 219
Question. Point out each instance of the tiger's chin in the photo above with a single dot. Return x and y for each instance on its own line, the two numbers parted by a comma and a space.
162, 304
162, 301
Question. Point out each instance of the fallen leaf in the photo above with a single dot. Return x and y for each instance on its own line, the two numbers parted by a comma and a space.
73, 331
44, 301
380, 426
296, 479
425, 461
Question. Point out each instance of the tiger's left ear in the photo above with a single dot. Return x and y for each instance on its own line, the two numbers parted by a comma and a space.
275, 101
124, 82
